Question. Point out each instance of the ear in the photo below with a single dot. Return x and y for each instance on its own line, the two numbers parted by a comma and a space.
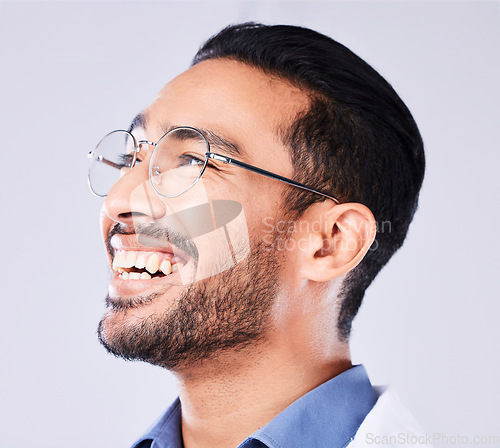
333, 239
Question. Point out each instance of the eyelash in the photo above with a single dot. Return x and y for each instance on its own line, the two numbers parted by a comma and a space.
126, 159
202, 160
192, 157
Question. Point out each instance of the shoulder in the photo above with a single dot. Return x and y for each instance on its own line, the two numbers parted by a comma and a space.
389, 424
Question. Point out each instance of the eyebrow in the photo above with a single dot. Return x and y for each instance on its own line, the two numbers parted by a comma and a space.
214, 139
138, 122
222, 143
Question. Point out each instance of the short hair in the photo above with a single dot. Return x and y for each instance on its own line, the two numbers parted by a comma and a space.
356, 140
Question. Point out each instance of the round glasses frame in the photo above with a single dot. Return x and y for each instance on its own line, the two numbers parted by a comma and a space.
208, 155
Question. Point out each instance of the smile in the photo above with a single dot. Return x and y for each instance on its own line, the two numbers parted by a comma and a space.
141, 265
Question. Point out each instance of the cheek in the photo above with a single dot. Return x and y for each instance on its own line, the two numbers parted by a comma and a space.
263, 198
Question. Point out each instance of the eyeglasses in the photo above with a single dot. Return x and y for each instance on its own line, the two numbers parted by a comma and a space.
178, 161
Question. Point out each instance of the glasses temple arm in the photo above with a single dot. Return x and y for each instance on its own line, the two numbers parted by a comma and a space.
118, 166
225, 159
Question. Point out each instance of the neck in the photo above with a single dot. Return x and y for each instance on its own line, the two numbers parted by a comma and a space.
225, 400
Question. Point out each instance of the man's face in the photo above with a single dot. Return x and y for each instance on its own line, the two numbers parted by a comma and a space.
220, 292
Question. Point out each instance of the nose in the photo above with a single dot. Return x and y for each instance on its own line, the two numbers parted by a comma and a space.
132, 200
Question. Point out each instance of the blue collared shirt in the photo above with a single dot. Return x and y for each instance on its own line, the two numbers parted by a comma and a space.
327, 416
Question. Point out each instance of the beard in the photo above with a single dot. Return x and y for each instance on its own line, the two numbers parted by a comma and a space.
226, 312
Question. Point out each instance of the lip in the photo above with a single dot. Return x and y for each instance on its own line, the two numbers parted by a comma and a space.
119, 287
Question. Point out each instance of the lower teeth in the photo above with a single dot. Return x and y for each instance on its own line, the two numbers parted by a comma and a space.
135, 275
144, 275
139, 275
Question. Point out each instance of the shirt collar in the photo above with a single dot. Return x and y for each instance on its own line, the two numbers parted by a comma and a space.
329, 415
166, 432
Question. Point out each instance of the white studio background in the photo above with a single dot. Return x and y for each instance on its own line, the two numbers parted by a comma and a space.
72, 71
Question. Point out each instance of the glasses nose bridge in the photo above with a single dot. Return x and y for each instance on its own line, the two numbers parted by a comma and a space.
138, 148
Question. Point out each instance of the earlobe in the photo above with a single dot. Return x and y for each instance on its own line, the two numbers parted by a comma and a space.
338, 242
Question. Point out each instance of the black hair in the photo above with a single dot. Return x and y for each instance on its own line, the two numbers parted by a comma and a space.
356, 140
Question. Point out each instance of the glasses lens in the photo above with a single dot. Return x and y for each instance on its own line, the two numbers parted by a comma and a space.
178, 161
111, 159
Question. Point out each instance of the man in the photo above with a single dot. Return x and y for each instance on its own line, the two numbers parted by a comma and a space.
252, 204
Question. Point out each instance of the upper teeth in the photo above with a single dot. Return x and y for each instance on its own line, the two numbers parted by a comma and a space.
150, 260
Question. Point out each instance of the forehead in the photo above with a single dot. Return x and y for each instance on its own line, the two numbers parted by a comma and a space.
239, 102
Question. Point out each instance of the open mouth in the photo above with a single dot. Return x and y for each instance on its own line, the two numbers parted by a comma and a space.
140, 265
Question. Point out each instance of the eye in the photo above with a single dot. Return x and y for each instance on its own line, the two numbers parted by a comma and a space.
190, 160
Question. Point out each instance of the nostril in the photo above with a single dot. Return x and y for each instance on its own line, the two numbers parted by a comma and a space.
130, 215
